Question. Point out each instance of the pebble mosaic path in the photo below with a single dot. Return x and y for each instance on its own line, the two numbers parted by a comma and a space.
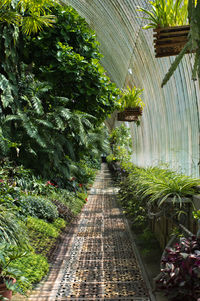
96, 260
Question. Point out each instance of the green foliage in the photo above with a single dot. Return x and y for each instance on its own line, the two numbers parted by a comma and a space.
155, 191
30, 15
130, 98
70, 199
43, 235
39, 225
133, 205
37, 207
121, 143
33, 267
196, 214
165, 13
159, 184
8, 255
83, 173
121, 136
48, 123
72, 59
11, 230
59, 223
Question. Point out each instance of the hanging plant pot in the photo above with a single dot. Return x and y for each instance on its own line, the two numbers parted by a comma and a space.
170, 40
130, 114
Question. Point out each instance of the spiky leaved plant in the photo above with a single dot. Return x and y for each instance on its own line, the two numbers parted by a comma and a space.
193, 43
165, 13
11, 230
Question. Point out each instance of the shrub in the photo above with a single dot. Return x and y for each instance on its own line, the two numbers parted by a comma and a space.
38, 207
43, 235
59, 223
39, 225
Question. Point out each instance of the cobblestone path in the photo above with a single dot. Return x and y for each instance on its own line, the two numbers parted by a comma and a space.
97, 260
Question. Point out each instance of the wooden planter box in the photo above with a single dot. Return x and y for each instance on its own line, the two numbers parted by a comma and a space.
130, 114
163, 226
170, 40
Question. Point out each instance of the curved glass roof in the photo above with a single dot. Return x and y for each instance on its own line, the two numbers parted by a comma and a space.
169, 130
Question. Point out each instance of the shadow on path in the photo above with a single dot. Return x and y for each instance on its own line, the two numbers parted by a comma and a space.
97, 259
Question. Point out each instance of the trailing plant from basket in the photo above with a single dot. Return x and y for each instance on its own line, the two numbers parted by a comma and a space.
180, 271
165, 13
193, 44
130, 98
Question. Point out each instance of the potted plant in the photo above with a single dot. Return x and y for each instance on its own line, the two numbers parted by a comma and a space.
8, 275
131, 104
159, 12
169, 20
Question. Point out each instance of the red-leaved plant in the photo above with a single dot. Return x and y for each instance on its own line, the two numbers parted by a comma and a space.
180, 273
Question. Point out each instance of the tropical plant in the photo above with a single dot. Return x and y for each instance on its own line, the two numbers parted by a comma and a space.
72, 60
165, 13
9, 254
30, 15
130, 98
180, 271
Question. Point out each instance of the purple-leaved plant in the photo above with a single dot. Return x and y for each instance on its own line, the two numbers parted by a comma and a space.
180, 272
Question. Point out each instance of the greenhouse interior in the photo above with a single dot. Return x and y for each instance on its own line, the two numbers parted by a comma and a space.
100, 150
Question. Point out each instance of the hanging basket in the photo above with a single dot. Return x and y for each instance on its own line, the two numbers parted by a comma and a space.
130, 114
170, 40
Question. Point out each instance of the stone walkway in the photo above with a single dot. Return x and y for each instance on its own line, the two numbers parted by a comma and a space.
97, 259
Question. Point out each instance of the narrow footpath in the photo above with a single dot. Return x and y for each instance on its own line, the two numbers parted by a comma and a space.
97, 259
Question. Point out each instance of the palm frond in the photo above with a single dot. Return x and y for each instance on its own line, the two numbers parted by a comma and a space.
34, 23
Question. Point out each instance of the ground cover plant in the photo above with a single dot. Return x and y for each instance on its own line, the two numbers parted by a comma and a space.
43, 235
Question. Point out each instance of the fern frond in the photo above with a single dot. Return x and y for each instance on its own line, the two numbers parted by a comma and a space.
37, 105
6, 96
46, 123
65, 113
